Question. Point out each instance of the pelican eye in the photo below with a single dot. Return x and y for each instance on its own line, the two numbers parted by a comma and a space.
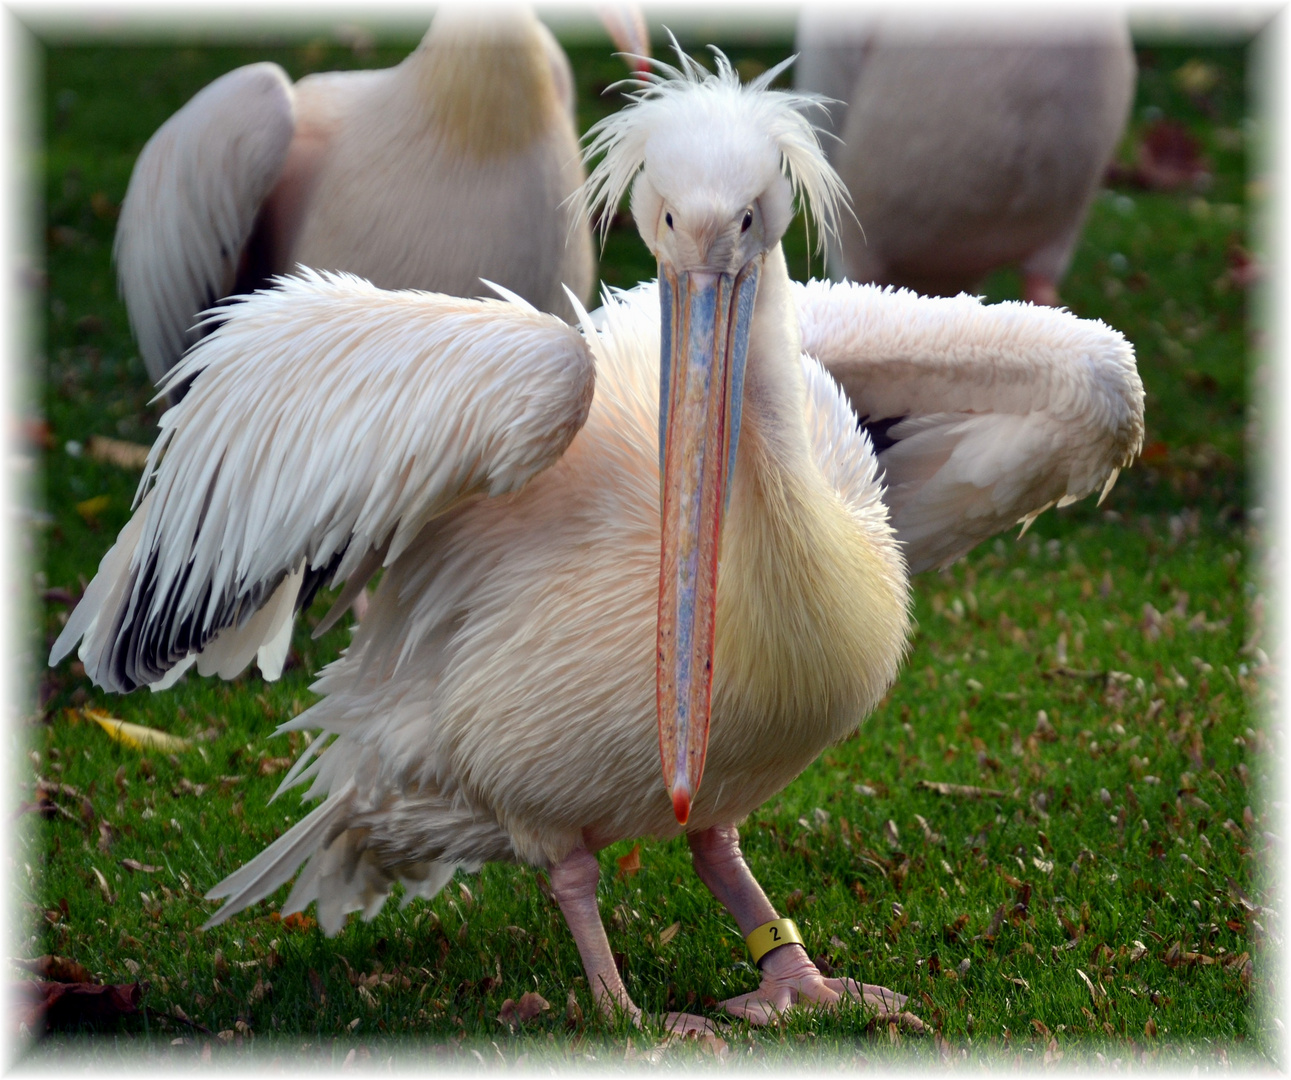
748, 221
668, 218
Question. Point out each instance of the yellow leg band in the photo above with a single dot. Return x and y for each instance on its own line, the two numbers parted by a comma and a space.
772, 935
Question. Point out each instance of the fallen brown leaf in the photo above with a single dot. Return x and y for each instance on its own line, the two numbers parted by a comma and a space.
143, 868
1169, 157
60, 1005
514, 1013
103, 884
297, 920
56, 969
630, 863
896, 1021
997, 921
125, 455
530, 1005
90, 509
104, 208
961, 791
135, 736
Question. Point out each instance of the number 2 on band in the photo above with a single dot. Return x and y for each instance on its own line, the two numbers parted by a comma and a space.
775, 933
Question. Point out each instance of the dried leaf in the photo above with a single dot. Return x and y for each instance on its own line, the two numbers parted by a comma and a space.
928, 834
136, 736
530, 1005
668, 933
272, 765
630, 863
510, 1014
90, 509
73, 1006
961, 791
103, 884
56, 969
1093, 993
297, 920
1169, 157
894, 1021
997, 920
143, 868
125, 455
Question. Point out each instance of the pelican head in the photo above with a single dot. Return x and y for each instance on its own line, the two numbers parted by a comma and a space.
714, 167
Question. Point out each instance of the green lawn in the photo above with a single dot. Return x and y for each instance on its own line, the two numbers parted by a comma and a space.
1104, 674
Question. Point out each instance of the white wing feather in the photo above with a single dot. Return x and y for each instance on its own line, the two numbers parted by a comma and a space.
327, 420
997, 412
192, 203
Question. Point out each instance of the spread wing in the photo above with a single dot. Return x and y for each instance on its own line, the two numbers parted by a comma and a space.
328, 421
982, 415
192, 202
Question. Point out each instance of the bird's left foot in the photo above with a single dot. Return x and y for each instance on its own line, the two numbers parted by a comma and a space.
790, 980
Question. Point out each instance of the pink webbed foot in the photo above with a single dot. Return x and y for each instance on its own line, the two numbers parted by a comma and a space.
790, 980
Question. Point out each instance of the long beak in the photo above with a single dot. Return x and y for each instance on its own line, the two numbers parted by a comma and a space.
704, 345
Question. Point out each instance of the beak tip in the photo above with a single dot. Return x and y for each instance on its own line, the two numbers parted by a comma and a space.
681, 804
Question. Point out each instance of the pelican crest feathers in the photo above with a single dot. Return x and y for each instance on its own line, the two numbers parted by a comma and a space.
665, 95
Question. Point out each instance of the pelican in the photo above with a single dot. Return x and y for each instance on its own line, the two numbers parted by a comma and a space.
966, 147
452, 166
549, 505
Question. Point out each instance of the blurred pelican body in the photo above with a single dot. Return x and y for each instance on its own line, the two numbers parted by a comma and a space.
452, 166
967, 144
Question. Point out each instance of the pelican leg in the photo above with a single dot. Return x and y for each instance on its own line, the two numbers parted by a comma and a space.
573, 883
1038, 288
789, 977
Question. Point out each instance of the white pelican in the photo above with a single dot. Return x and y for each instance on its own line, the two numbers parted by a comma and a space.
532, 647
455, 165
966, 145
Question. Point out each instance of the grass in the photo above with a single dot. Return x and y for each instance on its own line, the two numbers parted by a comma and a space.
1102, 907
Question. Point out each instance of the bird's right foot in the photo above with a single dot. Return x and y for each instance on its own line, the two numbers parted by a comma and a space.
790, 980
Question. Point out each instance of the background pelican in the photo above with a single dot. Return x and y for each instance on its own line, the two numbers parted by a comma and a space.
966, 145
500, 700
452, 166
